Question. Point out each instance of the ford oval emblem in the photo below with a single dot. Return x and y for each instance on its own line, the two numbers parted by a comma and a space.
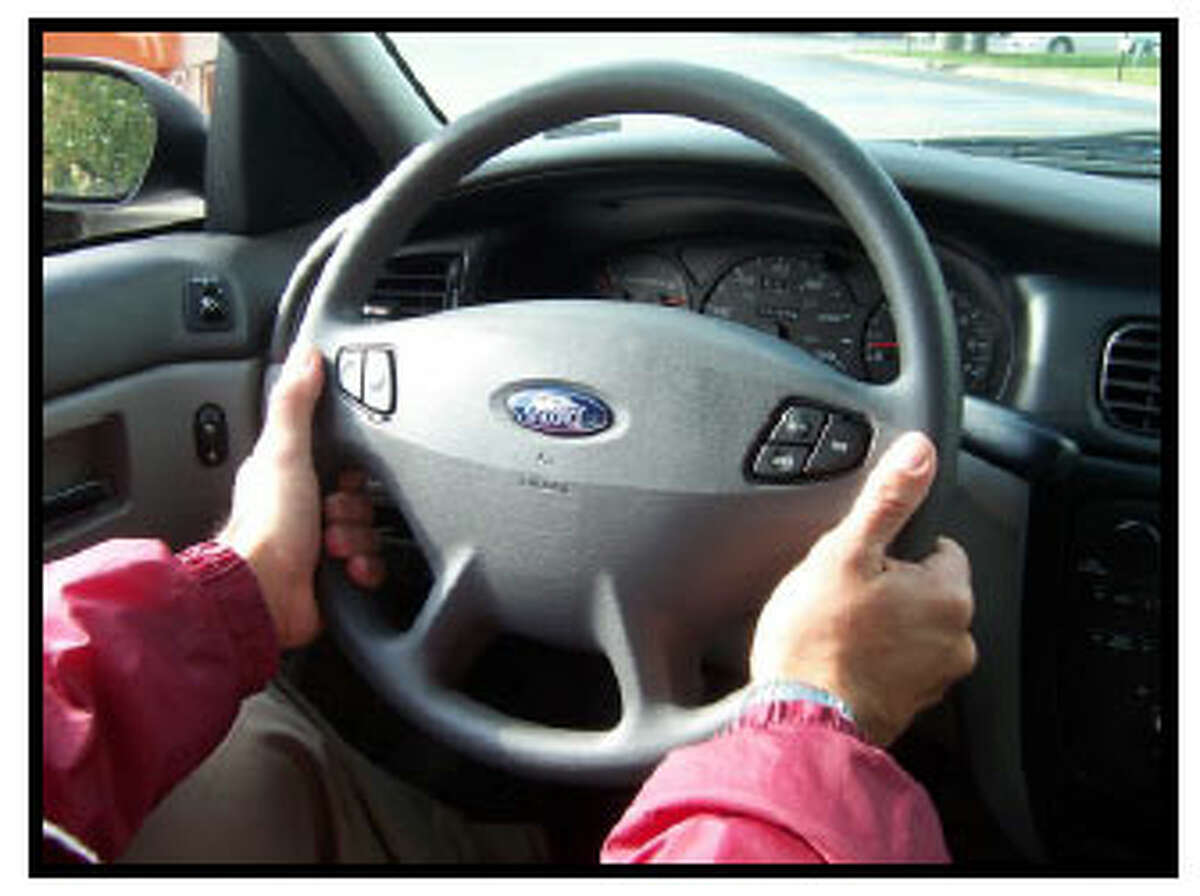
559, 411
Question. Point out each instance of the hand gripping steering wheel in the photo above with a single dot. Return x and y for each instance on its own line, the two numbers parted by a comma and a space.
607, 476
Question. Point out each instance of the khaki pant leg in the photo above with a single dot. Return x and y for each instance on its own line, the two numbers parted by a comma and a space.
284, 787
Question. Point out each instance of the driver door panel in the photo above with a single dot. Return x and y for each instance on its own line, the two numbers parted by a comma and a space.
127, 450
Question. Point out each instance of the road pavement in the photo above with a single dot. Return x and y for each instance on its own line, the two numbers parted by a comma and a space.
869, 98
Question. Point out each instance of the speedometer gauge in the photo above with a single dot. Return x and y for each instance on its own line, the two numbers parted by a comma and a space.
797, 298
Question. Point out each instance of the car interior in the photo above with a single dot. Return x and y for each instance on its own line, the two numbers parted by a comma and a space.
538, 240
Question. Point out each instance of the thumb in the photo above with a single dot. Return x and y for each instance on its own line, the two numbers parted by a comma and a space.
890, 496
294, 397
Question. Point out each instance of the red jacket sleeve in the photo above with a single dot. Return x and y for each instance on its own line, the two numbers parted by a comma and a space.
145, 658
789, 782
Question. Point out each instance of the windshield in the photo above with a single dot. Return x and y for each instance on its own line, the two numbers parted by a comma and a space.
923, 87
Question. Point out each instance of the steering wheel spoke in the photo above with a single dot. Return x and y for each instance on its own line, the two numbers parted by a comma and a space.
451, 628
654, 660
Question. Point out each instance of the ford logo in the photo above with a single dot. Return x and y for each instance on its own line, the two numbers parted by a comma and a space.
559, 411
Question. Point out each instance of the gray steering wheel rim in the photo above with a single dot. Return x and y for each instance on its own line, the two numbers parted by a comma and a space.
928, 385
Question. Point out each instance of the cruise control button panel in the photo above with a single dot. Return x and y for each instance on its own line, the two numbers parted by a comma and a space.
368, 375
805, 441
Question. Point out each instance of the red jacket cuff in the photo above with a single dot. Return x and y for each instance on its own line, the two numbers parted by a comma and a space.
231, 583
792, 713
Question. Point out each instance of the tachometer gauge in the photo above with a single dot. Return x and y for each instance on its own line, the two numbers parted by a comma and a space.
881, 351
797, 298
645, 277
979, 330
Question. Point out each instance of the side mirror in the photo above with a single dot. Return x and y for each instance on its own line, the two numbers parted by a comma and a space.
112, 132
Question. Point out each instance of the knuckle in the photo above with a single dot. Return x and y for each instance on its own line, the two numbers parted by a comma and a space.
347, 508
968, 655
952, 547
960, 605
334, 541
363, 509
966, 599
351, 480
890, 503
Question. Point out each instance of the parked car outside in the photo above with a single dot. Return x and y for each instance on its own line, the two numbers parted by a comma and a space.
1057, 42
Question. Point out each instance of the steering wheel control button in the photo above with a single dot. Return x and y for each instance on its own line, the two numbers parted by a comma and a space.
780, 463
350, 372
842, 446
799, 425
379, 380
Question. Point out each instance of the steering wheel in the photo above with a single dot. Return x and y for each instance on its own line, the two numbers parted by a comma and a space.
606, 476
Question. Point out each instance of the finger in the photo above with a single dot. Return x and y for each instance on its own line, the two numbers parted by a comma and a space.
342, 540
890, 496
366, 570
351, 480
348, 507
961, 658
290, 412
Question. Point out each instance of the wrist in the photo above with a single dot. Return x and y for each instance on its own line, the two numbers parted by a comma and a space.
789, 690
251, 553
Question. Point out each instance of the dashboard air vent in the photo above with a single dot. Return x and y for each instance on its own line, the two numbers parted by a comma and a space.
1130, 378
413, 285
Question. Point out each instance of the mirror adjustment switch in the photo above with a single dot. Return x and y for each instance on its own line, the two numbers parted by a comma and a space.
780, 463
350, 372
379, 380
207, 305
842, 446
799, 425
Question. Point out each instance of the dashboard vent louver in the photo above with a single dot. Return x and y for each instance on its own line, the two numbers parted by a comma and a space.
413, 285
1131, 378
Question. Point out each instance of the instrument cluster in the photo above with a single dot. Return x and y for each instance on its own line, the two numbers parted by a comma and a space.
825, 300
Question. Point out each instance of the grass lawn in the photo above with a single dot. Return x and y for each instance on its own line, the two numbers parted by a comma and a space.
1089, 66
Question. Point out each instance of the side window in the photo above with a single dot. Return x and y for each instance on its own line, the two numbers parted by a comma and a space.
124, 116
